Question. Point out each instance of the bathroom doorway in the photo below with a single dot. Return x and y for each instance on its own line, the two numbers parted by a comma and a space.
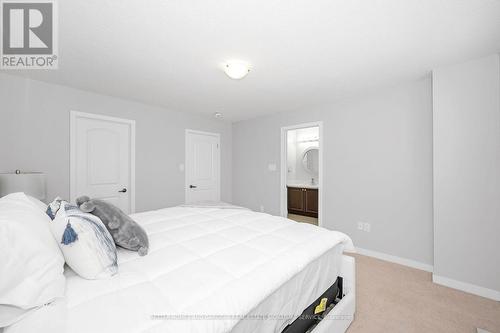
302, 172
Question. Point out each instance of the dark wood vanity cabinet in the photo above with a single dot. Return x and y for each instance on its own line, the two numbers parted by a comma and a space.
296, 201
303, 201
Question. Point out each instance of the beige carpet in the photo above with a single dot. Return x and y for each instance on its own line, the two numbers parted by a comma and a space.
399, 299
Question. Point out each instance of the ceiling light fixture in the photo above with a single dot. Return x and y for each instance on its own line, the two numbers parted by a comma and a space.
218, 115
236, 69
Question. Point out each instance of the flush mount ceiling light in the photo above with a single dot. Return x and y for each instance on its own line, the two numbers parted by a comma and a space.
236, 69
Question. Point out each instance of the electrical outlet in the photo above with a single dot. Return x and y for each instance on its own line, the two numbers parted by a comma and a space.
363, 226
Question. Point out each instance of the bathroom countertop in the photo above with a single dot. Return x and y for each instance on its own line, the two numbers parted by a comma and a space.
302, 185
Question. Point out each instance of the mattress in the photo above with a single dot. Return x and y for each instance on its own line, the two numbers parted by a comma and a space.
208, 270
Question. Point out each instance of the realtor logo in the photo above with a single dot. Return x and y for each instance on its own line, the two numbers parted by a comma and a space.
28, 37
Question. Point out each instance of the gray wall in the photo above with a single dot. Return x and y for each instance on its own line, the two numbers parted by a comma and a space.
467, 172
34, 136
378, 167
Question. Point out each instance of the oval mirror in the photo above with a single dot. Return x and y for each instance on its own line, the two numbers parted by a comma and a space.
310, 160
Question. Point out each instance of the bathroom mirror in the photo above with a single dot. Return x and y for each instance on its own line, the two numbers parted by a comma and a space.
310, 160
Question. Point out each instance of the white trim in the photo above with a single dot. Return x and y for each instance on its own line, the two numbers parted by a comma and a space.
74, 115
395, 259
202, 133
283, 168
186, 181
441, 280
467, 287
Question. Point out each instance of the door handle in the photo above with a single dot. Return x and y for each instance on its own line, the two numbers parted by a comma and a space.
123, 190
192, 186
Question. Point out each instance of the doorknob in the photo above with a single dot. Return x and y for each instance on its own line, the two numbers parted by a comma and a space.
123, 190
192, 186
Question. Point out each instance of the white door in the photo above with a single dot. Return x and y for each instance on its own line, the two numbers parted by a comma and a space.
202, 166
102, 159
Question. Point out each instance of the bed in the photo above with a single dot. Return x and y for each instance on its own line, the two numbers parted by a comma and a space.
213, 270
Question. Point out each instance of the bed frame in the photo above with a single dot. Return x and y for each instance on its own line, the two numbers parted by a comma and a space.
340, 307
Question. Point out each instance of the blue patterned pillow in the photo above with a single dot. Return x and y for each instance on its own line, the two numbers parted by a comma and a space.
86, 244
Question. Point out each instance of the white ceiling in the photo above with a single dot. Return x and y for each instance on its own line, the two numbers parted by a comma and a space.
303, 52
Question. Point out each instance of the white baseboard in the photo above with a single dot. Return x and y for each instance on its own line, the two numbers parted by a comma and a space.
480, 330
467, 287
395, 259
444, 281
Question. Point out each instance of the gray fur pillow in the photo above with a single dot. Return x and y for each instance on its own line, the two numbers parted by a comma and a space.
125, 231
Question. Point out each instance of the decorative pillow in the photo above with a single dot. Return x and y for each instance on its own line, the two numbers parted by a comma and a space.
31, 264
85, 242
125, 231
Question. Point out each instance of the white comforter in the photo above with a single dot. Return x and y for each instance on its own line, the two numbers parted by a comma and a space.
202, 261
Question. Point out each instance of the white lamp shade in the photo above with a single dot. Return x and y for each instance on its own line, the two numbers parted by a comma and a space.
30, 183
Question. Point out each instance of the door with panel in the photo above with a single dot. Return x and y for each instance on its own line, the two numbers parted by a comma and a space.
202, 166
102, 153
311, 202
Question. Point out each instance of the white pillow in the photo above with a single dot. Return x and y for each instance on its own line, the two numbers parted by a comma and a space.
51, 318
40, 205
84, 241
31, 264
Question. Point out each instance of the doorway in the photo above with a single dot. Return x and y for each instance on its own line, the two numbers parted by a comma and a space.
102, 159
202, 166
302, 172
